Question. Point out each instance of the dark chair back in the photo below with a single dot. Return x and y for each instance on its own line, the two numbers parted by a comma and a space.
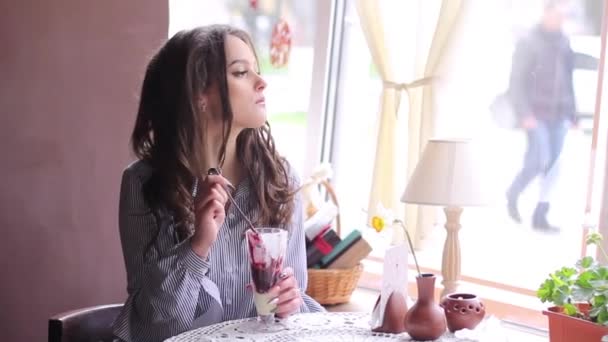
93, 324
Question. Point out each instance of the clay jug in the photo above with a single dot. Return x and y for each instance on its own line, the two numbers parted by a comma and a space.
462, 311
425, 320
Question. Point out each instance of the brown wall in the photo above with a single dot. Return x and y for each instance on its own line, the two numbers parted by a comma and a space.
70, 72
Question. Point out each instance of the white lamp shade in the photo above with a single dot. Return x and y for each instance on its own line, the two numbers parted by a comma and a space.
449, 173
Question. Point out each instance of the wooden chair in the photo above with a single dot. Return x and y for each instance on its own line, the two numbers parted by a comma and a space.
92, 324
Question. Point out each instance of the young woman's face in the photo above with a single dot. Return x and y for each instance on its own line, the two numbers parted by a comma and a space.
245, 86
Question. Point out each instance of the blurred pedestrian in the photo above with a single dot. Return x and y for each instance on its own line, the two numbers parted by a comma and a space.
542, 95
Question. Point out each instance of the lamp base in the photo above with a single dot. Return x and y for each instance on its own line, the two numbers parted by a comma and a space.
450, 265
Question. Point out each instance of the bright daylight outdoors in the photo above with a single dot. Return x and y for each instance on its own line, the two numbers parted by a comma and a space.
474, 71
478, 70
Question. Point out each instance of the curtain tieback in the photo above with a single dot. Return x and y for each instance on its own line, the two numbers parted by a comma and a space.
406, 86
399, 87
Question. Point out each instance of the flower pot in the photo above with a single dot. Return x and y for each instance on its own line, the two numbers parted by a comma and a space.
564, 328
462, 311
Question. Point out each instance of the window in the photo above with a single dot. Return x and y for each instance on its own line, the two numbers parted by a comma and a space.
476, 71
495, 250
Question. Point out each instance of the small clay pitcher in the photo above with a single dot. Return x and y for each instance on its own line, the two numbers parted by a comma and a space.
463, 311
425, 320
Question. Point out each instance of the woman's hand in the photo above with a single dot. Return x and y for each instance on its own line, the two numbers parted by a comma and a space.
287, 294
209, 212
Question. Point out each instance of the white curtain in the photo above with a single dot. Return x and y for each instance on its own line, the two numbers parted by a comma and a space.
407, 40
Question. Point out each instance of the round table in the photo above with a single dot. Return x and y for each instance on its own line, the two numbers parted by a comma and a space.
320, 326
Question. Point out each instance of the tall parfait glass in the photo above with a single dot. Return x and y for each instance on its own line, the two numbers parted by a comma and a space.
267, 248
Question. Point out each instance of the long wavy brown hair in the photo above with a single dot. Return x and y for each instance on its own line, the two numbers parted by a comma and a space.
169, 130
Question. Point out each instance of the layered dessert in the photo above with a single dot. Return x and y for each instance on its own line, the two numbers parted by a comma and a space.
266, 254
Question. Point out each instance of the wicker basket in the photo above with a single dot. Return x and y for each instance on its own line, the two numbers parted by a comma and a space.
333, 286
329, 287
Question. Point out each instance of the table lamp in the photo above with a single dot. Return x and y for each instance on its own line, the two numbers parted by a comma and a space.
448, 174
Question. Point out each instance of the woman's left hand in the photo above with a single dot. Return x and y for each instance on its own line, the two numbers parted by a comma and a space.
289, 298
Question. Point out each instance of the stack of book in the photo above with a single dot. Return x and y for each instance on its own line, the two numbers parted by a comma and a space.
325, 249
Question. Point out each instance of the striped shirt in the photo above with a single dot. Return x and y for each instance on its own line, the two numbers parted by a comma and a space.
170, 288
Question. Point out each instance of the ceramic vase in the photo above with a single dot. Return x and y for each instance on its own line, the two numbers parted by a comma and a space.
425, 320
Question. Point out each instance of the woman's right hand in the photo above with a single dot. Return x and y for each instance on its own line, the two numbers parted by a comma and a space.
209, 212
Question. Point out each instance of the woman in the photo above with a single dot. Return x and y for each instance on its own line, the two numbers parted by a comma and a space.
202, 106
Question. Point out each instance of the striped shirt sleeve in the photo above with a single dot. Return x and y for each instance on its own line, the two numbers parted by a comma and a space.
170, 288
165, 281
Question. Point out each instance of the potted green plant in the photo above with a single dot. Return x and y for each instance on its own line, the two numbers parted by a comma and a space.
579, 296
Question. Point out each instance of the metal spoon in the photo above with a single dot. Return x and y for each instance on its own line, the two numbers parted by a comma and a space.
217, 171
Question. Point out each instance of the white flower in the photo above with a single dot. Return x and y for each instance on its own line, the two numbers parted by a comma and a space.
384, 217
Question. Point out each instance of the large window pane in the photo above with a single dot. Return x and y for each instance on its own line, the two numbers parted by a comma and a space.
355, 128
480, 68
475, 72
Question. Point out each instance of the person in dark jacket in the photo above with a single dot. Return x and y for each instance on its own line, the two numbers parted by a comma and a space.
542, 95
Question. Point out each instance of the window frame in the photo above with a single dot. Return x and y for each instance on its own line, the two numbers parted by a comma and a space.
529, 310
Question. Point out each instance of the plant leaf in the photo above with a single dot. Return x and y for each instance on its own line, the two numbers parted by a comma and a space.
602, 272
545, 292
582, 294
599, 285
561, 295
599, 300
570, 309
595, 310
585, 262
602, 317
566, 272
585, 278
557, 288
594, 238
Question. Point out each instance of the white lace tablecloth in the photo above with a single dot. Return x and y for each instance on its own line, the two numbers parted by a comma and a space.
325, 326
